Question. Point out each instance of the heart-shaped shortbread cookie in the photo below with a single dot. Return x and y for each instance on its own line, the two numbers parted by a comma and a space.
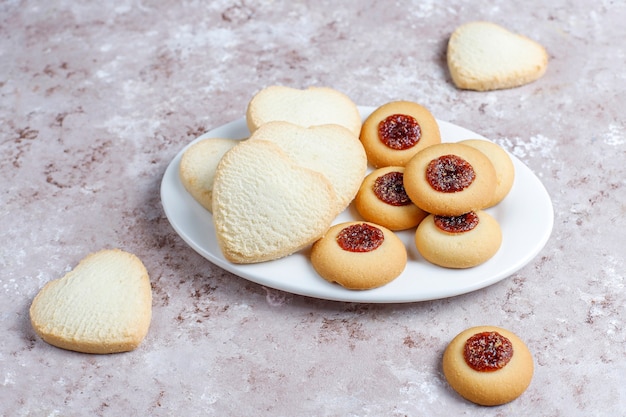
103, 305
329, 149
198, 164
266, 206
484, 56
309, 107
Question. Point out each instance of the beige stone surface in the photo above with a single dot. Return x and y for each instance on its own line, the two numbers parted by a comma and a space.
96, 98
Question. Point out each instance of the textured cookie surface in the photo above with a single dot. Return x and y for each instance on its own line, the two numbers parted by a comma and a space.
266, 206
484, 56
198, 164
493, 387
104, 305
307, 107
331, 150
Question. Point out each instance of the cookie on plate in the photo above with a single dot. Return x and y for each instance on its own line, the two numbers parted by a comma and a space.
266, 206
461, 241
304, 107
382, 199
198, 164
450, 179
359, 255
329, 149
396, 131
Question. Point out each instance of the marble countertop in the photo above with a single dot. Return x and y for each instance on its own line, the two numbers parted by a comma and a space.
97, 98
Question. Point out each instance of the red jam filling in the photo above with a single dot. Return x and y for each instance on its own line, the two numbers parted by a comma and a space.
488, 351
399, 131
389, 188
449, 174
360, 237
457, 224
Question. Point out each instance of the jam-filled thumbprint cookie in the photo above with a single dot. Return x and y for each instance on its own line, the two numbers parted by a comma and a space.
394, 132
450, 179
382, 199
359, 255
488, 365
461, 241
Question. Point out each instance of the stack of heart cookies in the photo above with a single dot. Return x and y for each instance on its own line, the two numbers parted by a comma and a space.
279, 190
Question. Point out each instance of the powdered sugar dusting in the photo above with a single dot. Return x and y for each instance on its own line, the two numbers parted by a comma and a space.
602, 307
615, 136
417, 384
538, 145
275, 298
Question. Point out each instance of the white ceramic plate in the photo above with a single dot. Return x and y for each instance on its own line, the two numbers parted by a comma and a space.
525, 216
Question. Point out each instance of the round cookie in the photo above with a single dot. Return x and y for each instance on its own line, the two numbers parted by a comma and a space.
487, 371
450, 179
381, 199
458, 241
505, 171
359, 255
396, 131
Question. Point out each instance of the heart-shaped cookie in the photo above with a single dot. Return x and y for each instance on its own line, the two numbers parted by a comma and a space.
103, 305
198, 164
312, 106
329, 149
265, 205
484, 56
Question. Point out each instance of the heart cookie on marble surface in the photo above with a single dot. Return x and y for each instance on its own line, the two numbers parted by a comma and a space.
267, 206
484, 56
103, 305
